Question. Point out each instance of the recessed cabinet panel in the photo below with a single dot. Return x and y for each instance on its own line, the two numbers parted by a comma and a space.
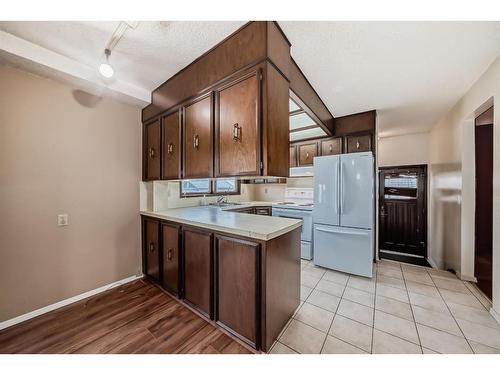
152, 150
331, 146
198, 261
307, 152
170, 237
238, 141
359, 143
293, 156
151, 249
237, 285
198, 139
171, 147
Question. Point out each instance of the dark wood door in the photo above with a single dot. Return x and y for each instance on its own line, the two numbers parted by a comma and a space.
152, 151
293, 156
483, 254
198, 139
331, 146
198, 270
237, 287
358, 143
171, 150
306, 153
151, 249
403, 210
238, 141
170, 255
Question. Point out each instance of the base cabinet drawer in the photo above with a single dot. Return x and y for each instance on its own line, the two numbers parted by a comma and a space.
237, 285
263, 211
170, 255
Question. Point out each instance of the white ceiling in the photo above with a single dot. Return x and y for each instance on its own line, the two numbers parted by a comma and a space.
410, 72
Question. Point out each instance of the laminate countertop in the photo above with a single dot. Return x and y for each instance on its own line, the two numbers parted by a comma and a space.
221, 219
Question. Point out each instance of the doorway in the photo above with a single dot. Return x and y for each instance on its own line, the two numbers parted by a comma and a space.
483, 226
403, 214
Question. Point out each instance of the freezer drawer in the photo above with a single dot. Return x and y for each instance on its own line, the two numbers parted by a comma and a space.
306, 250
348, 250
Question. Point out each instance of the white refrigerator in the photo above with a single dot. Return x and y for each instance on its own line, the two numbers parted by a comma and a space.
343, 219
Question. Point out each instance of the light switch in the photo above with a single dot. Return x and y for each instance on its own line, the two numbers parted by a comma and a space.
62, 220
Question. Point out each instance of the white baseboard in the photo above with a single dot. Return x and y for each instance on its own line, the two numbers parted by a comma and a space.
495, 314
432, 263
466, 277
68, 301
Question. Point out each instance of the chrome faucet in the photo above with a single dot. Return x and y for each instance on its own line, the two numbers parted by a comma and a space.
221, 199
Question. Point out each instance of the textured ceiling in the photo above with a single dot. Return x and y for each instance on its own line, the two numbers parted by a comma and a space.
410, 72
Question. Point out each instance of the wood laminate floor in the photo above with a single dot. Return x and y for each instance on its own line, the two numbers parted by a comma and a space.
134, 318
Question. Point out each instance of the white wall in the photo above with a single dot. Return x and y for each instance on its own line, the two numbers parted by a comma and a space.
408, 149
452, 192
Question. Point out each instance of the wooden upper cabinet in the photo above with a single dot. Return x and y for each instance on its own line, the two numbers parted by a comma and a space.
293, 156
307, 152
358, 143
171, 150
198, 138
332, 146
237, 287
237, 127
170, 247
151, 151
151, 248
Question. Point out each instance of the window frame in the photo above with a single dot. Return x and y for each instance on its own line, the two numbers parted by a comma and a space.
212, 191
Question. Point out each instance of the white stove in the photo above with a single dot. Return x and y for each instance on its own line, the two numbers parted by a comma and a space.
297, 199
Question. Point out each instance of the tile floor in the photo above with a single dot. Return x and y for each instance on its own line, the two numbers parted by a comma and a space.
402, 309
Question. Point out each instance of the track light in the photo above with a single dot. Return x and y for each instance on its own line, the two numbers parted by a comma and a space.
105, 68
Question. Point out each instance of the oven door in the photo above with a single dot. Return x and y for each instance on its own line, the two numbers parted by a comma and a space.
305, 216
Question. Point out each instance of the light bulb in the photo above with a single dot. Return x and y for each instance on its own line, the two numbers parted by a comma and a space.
106, 70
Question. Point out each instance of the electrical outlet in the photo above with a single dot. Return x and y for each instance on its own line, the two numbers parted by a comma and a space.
62, 220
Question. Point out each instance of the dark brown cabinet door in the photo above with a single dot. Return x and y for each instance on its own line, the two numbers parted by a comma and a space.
198, 139
358, 143
170, 247
307, 152
198, 266
171, 150
237, 287
151, 248
238, 142
293, 156
152, 151
331, 146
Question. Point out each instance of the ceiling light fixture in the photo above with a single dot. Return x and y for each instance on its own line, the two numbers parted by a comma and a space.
105, 68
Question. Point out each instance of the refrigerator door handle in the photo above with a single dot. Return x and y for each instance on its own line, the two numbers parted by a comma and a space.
341, 183
342, 231
320, 188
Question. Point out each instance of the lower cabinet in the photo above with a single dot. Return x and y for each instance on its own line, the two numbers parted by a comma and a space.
198, 270
170, 254
151, 248
237, 287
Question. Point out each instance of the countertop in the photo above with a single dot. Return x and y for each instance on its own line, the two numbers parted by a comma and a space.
216, 218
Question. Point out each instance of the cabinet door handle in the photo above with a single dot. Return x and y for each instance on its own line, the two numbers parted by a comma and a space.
196, 141
170, 148
357, 144
236, 132
169, 256
151, 247
331, 148
307, 155
151, 152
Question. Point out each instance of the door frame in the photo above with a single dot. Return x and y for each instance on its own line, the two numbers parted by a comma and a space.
425, 213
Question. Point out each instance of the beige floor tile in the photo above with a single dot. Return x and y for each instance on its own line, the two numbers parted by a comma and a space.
391, 281
418, 277
354, 333
330, 288
480, 334
430, 303
324, 300
437, 274
314, 271
479, 295
304, 292
279, 348
308, 280
356, 311
396, 326
479, 316
359, 296
423, 289
428, 351
394, 307
383, 343
413, 268
335, 346
390, 272
336, 277
461, 298
442, 342
388, 263
362, 283
439, 320
391, 292
483, 349
303, 338
315, 316
450, 284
